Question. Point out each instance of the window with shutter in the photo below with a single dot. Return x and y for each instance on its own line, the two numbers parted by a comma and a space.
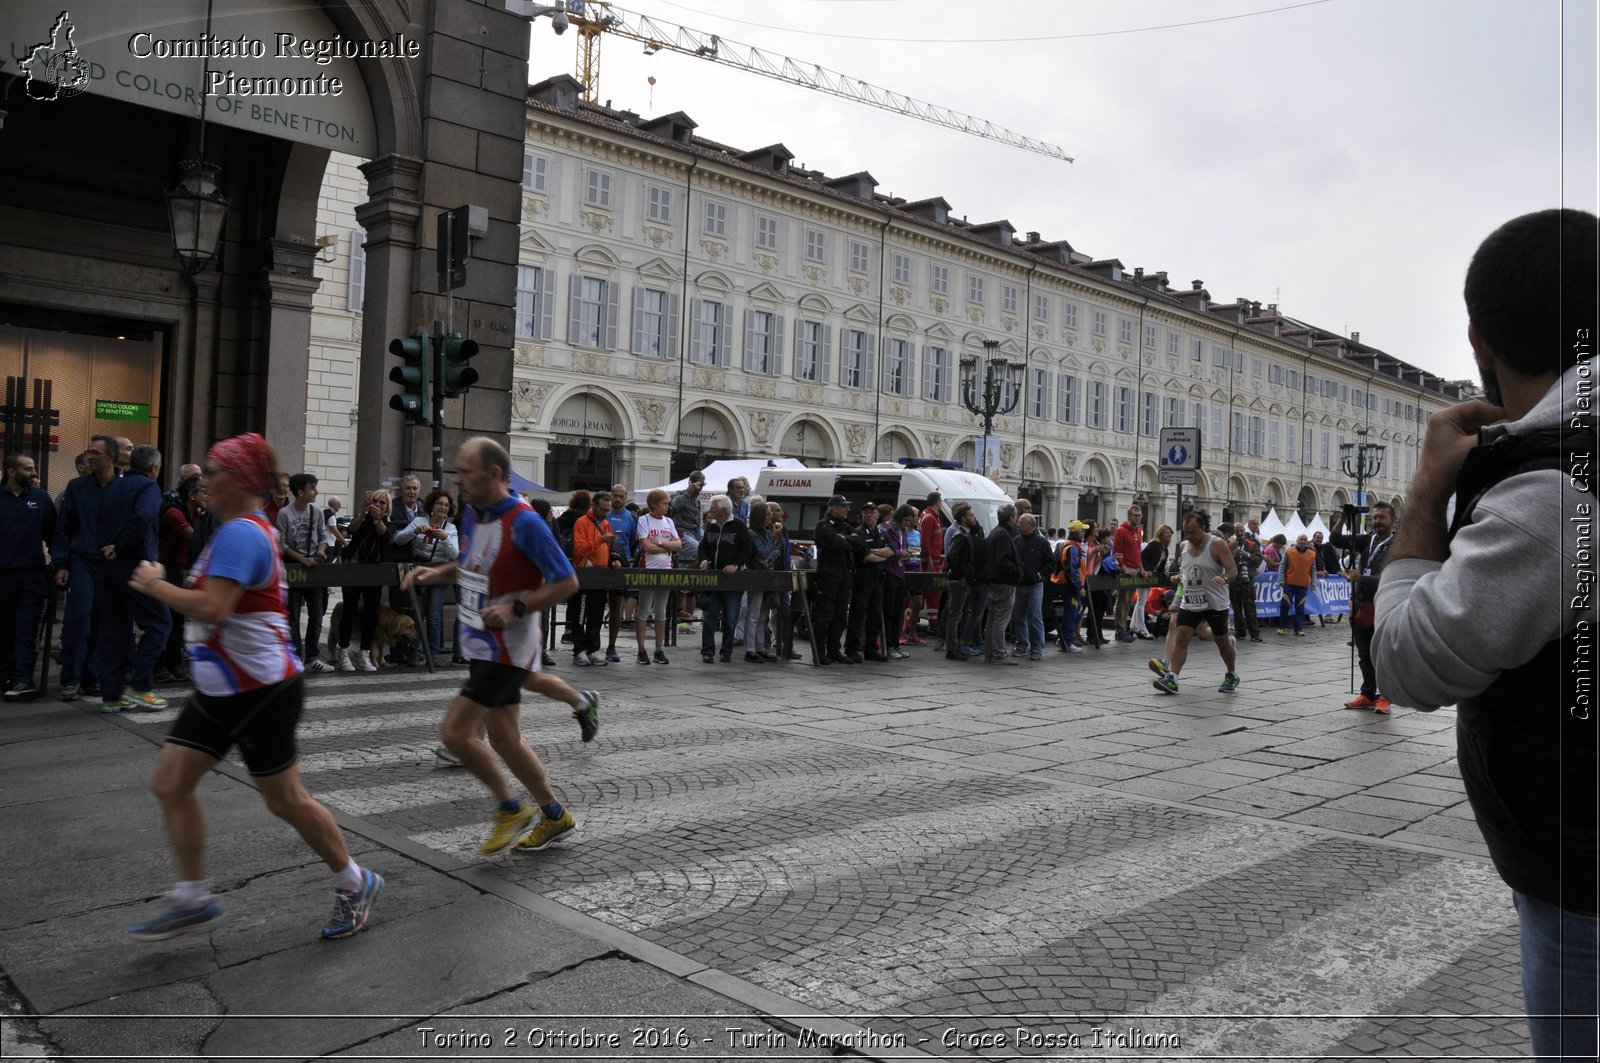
1038, 392
530, 293
1067, 399
356, 293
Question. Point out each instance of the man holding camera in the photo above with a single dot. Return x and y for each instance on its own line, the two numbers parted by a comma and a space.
1369, 551
1491, 609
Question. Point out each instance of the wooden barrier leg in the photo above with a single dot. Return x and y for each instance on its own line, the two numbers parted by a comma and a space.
50, 594
805, 607
422, 623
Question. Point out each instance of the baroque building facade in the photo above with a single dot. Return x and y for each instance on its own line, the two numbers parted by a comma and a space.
679, 301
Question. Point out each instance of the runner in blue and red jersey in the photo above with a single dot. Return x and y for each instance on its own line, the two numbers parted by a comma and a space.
509, 571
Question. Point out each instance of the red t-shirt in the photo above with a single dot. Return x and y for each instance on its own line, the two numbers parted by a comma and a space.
174, 542
1127, 545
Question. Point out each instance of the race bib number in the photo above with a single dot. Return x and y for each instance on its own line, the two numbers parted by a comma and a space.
1194, 596
472, 591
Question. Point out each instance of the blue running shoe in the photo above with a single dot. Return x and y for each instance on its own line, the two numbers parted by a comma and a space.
1167, 684
351, 907
177, 920
1230, 683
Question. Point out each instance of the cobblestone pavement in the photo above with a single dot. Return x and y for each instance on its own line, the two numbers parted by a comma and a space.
1001, 861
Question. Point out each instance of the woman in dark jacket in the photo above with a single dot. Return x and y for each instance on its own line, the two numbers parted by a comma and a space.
370, 533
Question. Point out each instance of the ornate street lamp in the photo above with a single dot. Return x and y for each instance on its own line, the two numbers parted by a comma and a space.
1362, 461
197, 209
996, 394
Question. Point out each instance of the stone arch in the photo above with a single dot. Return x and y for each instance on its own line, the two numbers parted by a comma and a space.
602, 400
713, 280
899, 323
698, 429
1040, 466
811, 439
1340, 499
816, 304
391, 88
1146, 479
1096, 472
1307, 503
896, 442
1238, 489
597, 256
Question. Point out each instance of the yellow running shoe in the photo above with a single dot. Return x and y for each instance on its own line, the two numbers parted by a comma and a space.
547, 831
143, 701
508, 826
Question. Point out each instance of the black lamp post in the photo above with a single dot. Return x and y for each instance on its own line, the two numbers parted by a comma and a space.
1363, 461
996, 394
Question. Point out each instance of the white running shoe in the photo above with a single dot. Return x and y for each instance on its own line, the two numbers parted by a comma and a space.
342, 661
598, 660
363, 662
317, 664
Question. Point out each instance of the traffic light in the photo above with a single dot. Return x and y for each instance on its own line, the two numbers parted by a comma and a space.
458, 372
416, 401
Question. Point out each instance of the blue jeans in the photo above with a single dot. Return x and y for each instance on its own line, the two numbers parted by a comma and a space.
721, 611
1294, 601
119, 661
22, 592
1027, 617
1559, 958
430, 599
77, 621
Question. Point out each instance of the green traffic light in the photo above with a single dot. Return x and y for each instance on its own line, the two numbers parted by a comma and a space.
416, 377
459, 376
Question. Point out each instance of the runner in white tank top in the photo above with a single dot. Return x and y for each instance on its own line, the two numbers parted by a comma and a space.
1206, 568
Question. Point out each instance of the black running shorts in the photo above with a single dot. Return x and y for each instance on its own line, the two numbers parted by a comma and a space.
1217, 619
493, 685
260, 722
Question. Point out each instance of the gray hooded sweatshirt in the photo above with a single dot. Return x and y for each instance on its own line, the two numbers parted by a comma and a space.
1520, 575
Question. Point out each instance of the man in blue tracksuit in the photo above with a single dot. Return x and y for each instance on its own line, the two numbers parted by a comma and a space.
27, 523
78, 561
129, 516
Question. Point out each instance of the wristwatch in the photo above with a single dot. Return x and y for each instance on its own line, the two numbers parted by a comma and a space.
518, 608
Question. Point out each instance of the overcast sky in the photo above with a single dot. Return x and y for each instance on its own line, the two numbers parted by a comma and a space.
1341, 158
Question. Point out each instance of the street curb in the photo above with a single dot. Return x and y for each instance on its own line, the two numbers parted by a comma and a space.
766, 1004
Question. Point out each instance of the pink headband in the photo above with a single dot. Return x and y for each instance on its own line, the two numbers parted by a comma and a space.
250, 460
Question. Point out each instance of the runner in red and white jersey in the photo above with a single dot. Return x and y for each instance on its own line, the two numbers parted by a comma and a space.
249, 692
510, 570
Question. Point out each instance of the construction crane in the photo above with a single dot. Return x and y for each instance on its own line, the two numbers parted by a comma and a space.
595, 18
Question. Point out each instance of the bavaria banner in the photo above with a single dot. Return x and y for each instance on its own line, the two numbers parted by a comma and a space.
1329, 596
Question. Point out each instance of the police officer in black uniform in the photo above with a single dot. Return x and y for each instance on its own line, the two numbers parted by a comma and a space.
870, 551
831, 597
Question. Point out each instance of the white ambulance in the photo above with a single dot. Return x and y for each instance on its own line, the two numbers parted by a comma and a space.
804, 493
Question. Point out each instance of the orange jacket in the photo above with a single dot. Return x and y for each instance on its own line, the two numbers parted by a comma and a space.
588, 549
1298, 566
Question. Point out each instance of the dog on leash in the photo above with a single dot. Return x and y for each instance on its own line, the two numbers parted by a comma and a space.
393, 626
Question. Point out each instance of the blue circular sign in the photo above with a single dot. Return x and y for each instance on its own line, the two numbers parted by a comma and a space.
1178, 454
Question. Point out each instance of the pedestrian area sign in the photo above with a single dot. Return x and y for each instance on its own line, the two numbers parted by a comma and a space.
1180, 448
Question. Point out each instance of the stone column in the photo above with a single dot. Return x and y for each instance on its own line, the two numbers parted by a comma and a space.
287, 285
390, 219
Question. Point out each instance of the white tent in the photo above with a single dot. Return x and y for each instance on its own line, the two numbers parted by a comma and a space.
1271, 526
718, 473
1316, 525
1295, 528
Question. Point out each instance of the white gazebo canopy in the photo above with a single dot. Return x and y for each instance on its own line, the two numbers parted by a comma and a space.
1316, 525
1271, 525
